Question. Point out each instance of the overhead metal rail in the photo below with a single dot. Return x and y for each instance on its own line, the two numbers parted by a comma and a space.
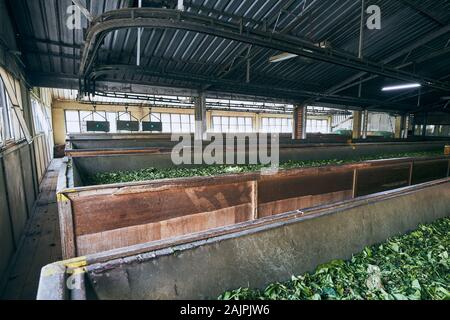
237, 87
174, 19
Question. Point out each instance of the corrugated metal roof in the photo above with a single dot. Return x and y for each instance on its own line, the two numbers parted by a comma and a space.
51, 48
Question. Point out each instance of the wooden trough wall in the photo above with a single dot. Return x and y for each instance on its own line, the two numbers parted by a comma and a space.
88, 162
101, 218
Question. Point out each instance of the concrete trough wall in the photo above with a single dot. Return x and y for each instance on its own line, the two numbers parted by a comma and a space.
253, 253
100, 218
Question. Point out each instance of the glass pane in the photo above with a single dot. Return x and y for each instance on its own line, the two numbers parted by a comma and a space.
99, 116
175, 118
165, 118
184, 118
72, 116
73, 127
86, 116
185, 127
111, 118
176, 127
166, 127
155, 117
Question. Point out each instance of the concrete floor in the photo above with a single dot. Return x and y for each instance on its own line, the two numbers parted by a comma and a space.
41, 244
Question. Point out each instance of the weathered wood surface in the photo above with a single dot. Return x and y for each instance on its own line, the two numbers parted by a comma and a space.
127, 236
98, 213
41, 244
114, 216
425, 171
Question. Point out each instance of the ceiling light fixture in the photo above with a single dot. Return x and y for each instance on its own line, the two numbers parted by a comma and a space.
281, 57
402, 87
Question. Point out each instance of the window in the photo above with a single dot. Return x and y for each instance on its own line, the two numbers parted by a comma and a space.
76, 121
10, 128
174, 122
171, 122
72, 122
40, 117
276, 125
5, 128
317, 126
111, 117
232, 124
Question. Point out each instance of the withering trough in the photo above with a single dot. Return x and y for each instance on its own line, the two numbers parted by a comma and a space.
99, 218
92, 161
253, 253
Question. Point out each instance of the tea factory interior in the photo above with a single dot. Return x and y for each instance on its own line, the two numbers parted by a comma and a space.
93, 91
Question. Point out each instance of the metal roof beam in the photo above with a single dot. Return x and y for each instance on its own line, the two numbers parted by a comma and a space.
422, 41
421, 59
233, 86
423, 11
173, 19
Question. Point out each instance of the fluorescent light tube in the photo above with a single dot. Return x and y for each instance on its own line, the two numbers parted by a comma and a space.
401, 87
281, 57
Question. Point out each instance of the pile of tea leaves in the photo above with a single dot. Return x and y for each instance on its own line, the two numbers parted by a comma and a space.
415, 266
213, 170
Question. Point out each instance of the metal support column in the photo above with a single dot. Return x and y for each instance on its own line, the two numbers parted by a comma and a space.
357, 117
200, 117
365, 124
300, 115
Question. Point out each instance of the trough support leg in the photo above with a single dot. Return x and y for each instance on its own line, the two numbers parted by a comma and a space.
355, 183
411, 168
254, 198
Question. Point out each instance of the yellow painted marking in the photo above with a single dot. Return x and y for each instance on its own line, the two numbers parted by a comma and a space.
72, 266
61, 197
76, 263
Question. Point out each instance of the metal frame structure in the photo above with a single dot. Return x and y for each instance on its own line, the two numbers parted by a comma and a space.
174, 19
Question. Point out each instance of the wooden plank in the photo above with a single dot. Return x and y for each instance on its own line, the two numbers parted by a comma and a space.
355, 183
84, 153
66, 226
123, 237
425, 171
254, 202
277, 188
373, 180
448, 169
65, 213
143, 186
99, 213
303, 202
107, 209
